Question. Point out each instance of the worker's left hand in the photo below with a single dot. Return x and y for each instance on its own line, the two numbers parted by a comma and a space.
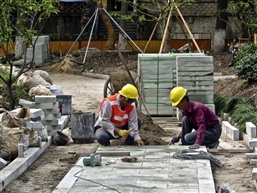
194, 146
139, 142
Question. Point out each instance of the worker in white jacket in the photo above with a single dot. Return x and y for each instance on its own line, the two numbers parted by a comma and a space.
118, 118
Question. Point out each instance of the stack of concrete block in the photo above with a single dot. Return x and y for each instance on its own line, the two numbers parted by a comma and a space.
53, 120
36, 116
41, 51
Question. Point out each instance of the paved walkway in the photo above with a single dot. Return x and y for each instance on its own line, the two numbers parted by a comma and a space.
155, 171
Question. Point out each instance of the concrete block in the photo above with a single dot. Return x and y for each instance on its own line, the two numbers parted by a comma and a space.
250, 129
35, 114
50, 122
52, 132
43, 133
50, 117
246, 139
253, 161
62, 122
254, 173
45, 99
51, 111
47, 105
3, 163
26, 103
53, 127
36, 125
253, 142
230, 131
251, 155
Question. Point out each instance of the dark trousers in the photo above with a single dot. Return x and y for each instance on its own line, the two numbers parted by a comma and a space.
188, 137
103, 137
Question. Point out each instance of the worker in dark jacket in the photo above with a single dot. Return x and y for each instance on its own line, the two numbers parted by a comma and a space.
195, 116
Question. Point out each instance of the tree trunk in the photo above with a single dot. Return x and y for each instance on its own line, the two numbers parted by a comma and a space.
122, 40
220, 30
110, 30
20, 44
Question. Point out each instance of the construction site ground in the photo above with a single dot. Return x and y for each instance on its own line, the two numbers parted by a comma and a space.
49, 169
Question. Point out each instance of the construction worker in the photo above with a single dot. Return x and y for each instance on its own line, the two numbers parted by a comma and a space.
118, 118
195, 116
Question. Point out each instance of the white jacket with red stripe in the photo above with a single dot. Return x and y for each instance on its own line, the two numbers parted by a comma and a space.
112, 116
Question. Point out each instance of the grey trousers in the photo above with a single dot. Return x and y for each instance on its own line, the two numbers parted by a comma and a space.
103, 137
188, 136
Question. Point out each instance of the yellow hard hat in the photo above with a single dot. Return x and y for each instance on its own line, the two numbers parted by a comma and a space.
129, 91
177, 94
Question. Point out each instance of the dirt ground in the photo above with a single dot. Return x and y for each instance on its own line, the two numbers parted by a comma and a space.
45, 174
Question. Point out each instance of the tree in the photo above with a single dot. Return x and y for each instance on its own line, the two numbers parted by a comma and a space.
221, 24
239, 14
245, 12
26, 18
111, 33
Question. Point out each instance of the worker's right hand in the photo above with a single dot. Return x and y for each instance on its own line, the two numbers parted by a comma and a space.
174, 139
123, 133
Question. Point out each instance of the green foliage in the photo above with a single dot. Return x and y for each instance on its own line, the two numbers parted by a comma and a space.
230, 105
247, 50
244, 113
246, 63
26, 14
26, 19
240, 111
244, 13
246, 68
219, 102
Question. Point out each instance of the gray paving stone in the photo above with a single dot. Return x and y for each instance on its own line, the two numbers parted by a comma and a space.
155, 171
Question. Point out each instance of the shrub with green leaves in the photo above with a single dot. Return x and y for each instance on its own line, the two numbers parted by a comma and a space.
246, 63
246, 68
250, 49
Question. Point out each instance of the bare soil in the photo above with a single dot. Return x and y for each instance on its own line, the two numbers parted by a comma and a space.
45, 174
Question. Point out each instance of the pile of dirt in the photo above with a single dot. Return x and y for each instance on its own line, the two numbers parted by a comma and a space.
95, 61
150, 132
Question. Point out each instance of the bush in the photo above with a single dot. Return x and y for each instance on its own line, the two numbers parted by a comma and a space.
250, 49
240, 111
246, 68
246, 63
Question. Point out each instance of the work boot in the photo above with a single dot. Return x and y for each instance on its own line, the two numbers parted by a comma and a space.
214, 145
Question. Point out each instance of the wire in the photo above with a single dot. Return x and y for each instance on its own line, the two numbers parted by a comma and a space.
194, 154
75, 175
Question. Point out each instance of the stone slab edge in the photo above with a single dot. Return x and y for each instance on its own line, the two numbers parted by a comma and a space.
19, 165
70, 178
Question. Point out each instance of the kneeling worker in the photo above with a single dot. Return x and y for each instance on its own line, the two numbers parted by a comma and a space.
195, 116
118, 118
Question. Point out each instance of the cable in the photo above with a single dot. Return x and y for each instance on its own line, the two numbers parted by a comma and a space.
75, 175
194, 154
